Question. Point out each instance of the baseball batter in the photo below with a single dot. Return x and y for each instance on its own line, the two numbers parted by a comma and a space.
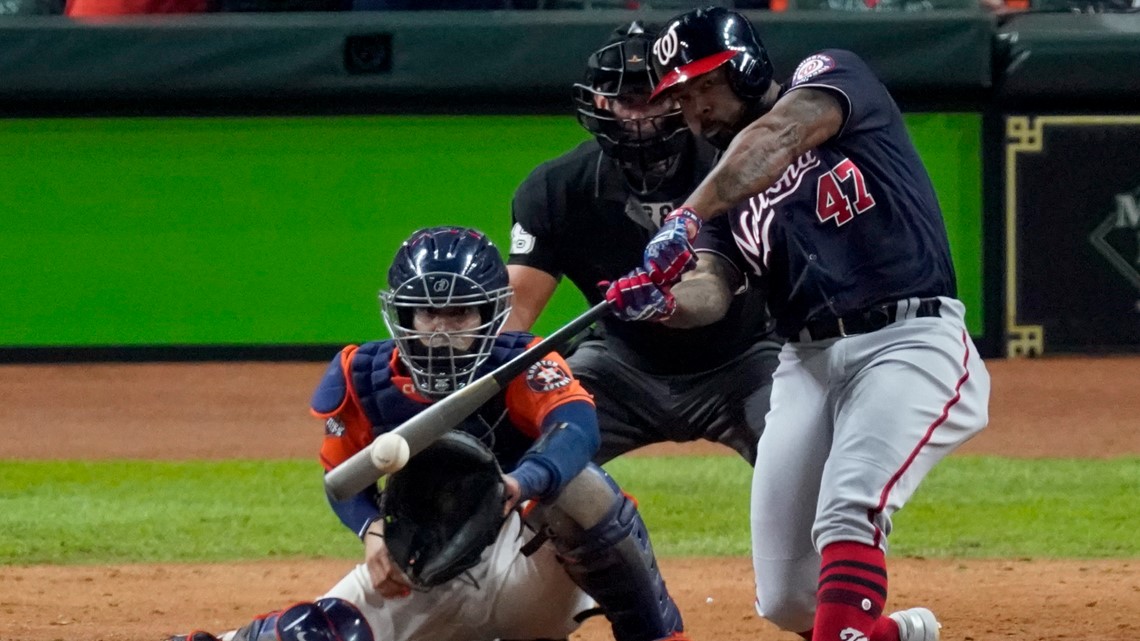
821, 192
452, 572
650, 383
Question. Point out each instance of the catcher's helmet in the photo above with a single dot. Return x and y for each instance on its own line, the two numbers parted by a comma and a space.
453, 268
701, 40
612, 102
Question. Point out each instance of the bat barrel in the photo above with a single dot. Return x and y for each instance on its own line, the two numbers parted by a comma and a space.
557, 340
424, 428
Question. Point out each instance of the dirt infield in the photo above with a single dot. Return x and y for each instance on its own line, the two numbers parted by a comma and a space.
1064, 407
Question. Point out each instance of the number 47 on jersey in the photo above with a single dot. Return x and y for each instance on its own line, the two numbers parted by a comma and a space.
833, 201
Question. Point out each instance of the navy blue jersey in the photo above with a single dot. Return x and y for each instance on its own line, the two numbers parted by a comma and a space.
851, 223
575, 216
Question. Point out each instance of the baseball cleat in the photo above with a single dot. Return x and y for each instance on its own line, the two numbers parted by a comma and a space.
917, 624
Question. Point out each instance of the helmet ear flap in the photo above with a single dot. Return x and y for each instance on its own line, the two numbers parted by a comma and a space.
746, 78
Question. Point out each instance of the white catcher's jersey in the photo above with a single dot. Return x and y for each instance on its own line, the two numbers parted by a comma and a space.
506, 596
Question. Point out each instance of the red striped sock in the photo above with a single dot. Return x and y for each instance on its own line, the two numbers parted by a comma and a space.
885, 630
852, 592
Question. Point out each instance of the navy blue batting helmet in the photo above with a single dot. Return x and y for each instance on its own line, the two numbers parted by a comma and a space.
702, 40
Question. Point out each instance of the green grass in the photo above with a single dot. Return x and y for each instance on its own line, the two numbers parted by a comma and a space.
104, 512
995, 507
150, 511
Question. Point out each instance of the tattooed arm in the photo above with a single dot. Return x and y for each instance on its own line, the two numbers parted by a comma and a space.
704, 294
801, 120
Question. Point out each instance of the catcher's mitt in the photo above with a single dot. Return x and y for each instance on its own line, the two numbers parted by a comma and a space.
443, 509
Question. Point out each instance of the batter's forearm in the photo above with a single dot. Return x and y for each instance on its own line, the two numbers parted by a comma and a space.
700, 302
754, 162
760, 154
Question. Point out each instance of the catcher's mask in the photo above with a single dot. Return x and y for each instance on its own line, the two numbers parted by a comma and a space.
443, 509
647, 139
455, 272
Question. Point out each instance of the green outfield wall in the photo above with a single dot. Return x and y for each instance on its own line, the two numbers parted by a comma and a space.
278, 231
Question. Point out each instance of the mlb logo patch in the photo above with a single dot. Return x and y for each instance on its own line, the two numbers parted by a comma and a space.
811, 67
522, 241
334, 426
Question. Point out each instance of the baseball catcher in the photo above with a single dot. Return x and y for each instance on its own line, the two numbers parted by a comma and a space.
448, 554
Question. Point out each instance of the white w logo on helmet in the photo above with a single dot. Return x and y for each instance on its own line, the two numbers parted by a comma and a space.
666, 46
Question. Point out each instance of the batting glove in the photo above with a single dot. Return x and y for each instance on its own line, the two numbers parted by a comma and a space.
634, 297
670, 252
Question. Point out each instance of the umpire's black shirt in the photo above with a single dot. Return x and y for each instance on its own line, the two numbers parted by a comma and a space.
575, 216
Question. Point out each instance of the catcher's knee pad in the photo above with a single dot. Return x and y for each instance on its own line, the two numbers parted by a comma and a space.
605, 548
329, 619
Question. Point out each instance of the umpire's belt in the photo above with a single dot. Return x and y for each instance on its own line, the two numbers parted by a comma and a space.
868, 320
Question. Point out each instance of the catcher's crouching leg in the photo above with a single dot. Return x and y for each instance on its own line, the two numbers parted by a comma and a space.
605, 548
328, 619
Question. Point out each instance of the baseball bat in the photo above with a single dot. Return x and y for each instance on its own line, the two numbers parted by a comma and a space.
358, 472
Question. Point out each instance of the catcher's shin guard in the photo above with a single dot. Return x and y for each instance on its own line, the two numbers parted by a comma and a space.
605, 548
329, 619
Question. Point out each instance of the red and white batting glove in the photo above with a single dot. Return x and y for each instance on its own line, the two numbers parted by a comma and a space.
634, 297
670, 252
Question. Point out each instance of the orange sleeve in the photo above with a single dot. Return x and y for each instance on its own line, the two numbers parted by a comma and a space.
541, 388
347, 429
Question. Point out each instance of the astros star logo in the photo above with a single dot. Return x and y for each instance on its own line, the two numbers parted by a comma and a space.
546, 376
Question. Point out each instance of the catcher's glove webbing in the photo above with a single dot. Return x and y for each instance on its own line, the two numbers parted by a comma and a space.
443, 509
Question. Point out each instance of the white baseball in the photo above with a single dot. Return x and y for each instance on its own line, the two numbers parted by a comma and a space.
390, 453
